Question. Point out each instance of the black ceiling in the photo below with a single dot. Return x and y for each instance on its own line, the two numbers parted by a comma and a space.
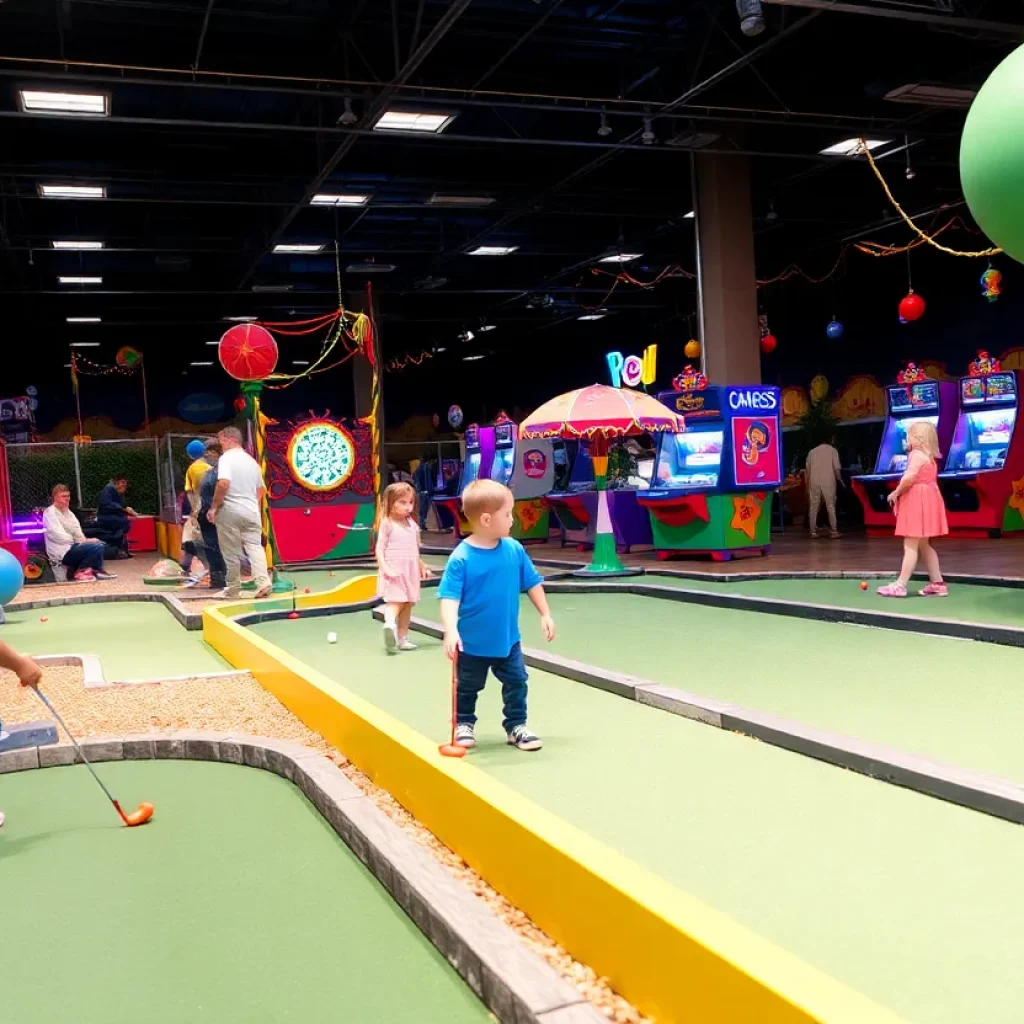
225, 121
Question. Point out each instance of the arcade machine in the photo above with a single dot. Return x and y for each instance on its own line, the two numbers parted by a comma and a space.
912, 398
479, 459
574, 505
320, 488
713, 484
981, 483
446, 485
527, 468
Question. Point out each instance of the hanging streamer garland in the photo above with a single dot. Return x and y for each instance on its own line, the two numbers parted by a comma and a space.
398, 364
82, 367
862, 148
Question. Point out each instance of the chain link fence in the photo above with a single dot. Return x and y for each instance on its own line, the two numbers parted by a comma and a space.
85, 468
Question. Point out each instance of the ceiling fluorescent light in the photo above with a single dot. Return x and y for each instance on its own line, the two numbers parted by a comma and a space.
80, 280
369, 268
438, 351
487, 327
492, 250
412, 121
621, 257
73, 191
925, 95
437, 199
473, 359
45, 101
300, 362
298, 248
83, 320
339, 199
851, 147
70, 244
200, 364
592, 316
85, 344
240, 319
689, 216
213, 343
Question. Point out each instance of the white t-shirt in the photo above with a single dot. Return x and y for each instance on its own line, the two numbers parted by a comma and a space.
238, 466
62, 529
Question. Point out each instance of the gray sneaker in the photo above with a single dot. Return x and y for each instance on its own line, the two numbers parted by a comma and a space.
522, 738
464, 735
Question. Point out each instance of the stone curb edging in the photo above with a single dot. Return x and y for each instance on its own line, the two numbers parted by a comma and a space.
93, 677
191, 620
511, 981
977, 791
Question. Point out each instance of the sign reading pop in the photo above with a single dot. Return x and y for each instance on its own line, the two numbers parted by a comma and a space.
633, 370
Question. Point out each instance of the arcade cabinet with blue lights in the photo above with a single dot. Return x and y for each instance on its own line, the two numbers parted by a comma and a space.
982, 482
711, 493
912, 399
479, 443
527, 468
446, 485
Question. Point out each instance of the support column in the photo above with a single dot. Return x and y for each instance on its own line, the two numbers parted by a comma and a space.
726, 280
368, 381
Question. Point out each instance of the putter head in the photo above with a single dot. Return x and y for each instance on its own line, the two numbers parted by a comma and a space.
452, 750
139, 816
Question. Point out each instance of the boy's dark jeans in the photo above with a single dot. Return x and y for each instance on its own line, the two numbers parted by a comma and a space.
472, 675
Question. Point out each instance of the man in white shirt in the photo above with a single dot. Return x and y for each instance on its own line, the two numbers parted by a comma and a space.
66, 544
237, 512
823, 473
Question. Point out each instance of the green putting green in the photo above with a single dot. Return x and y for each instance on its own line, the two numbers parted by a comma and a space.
237, 903
968, 602
133, 639
876, 885
327, 579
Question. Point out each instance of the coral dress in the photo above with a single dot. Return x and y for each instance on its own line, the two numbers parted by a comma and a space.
919, 510
401, 553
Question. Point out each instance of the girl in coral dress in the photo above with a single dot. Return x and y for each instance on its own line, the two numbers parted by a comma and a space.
400, 565
920, 513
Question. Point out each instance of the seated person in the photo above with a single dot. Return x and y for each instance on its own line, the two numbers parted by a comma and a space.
67, 545
112, 514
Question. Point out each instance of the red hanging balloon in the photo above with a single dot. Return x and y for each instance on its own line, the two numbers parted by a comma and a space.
912, 306
239, 404
248, 352
769, 343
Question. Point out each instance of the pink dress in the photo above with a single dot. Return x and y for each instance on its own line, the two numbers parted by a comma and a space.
919, 510
401, 553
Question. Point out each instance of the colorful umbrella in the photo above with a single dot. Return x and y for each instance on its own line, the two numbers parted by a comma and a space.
599, 413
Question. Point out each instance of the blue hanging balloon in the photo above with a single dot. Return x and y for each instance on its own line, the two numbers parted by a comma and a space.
195, 448
834, 330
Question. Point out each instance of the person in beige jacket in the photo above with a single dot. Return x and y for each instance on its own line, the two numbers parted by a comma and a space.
824, 474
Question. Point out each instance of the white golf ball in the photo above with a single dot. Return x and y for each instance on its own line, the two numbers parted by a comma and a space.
332, 638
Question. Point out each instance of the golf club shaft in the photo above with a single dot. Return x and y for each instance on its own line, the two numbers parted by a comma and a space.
53, 711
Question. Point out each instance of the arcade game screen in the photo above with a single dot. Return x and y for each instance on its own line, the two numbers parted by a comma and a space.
985, 426
894, 451
471, 470
690, 460
504, 462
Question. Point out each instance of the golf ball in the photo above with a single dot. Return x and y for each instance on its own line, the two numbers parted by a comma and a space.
43, 618
305, 590
863, 586
332, 638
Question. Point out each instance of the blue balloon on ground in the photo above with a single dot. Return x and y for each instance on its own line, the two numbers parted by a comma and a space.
11, 576
194, 449
834, 330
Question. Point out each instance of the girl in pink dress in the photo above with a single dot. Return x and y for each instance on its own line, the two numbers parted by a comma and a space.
920, 513
400, 565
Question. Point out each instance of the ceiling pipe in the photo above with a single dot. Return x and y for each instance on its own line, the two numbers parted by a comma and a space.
998, 29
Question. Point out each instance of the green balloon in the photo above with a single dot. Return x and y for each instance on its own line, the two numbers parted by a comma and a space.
992, 156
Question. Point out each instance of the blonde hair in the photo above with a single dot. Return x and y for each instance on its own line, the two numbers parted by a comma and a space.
392, 493
923, 435
484, 496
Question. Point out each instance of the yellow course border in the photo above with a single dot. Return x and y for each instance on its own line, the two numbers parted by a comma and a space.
673, 956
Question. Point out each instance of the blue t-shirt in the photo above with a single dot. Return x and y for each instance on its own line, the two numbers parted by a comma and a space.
487, 583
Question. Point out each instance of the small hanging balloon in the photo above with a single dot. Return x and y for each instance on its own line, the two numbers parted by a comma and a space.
127, 356
769, 343
834, 330
991, 284
239, 404
692, 349
436, 420
455, 417
912, 307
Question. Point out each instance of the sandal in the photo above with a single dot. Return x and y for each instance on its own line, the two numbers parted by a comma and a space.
896, 589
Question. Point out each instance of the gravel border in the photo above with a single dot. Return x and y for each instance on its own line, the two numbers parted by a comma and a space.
511, 981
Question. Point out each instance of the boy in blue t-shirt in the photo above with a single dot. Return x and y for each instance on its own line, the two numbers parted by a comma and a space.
480, 611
